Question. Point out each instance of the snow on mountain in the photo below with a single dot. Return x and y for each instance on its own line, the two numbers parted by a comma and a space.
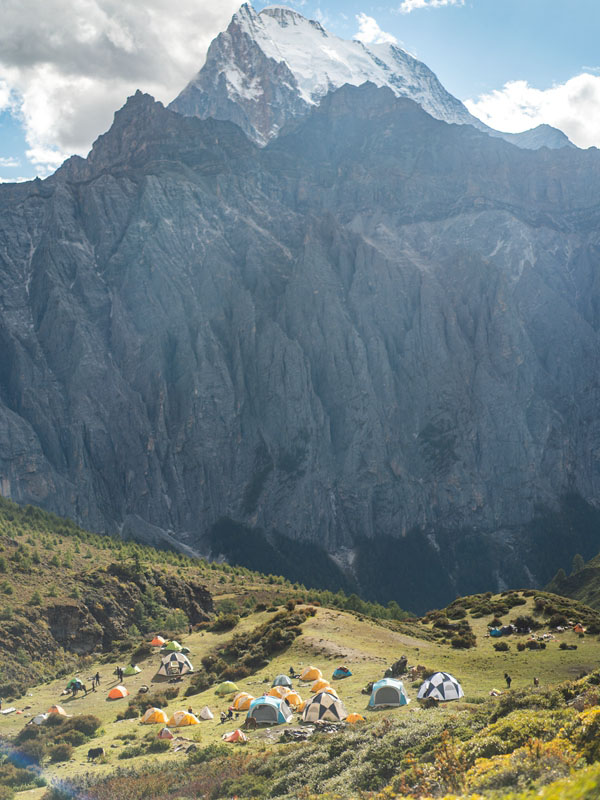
273, 66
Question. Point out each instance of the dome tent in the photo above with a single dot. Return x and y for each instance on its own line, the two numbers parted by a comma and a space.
269, 710
165, 733
132, 669
282, 680
175, 664
206, 713
153, 716
173, 646
341, 672
319, 685
279, 691
181, 718
117, 693
388, 692
241, 702
227, 687
311, 674
158, 641
441, 686
324, 706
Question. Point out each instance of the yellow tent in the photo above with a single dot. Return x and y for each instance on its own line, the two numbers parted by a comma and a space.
354, 718
331, 690
181, 718
279, 691
242, 700
154, 715
293, 698
320, 685
311, 674
301, 706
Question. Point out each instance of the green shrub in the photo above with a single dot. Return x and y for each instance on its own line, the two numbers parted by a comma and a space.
501, 647
60, 752
159, 746
224, 622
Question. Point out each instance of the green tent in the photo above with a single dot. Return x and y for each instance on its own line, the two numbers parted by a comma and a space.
227, 687
132, 669
173, 646
74, 683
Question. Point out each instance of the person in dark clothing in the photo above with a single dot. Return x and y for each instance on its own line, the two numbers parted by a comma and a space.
508, 680
97, 677
230, 714
536, 681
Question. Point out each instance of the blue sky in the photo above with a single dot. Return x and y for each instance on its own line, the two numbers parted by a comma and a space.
67, 65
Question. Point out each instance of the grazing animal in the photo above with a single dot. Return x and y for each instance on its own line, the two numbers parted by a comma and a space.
251, 724
94, 753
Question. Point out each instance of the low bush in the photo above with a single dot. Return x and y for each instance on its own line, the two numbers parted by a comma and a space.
60, 752
501, 647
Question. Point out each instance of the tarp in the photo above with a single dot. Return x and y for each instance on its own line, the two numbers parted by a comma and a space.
441, 686
117, 693
175, 664
227, 687
154, 716
311, 674
388, 692
324, 707
132, 669
235, 736
158, 641
341, 672
206, 713
282, 680
182, 718
269, 710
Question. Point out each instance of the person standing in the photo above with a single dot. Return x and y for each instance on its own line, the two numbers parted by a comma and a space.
97, 677
508, 680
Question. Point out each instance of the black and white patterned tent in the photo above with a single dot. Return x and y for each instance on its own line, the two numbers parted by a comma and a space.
324, 706
175, 664
441, 686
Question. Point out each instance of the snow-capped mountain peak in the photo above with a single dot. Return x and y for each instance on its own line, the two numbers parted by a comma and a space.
273, 66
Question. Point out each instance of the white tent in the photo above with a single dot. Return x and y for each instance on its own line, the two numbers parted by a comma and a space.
441, 686
206, 713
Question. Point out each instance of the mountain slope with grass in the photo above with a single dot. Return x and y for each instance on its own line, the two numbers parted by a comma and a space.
250, 628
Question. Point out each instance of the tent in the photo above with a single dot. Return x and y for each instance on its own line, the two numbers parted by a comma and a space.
579, 628
293, 699
153, 716
330, 690
324, 706
173, 646
341, 672
181, 718
58, 710
495, 632
132, 669
175, 664
354, 718
440, 686
227, 687
278, 691
282, 680
165, 733
388, 692
74, 683
206, 713
39, 718
241, 702
158, 641
186, 651
311, 674
117, 693
319, 685
235, 736
270, 710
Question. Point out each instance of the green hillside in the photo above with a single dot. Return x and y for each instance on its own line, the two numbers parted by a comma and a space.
75, 604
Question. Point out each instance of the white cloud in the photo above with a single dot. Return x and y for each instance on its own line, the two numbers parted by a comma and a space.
67, 65
370, 32
413, 5
9, 162
573, 107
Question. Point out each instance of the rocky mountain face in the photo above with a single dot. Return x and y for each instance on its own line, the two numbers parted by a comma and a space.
371, 344
272, 67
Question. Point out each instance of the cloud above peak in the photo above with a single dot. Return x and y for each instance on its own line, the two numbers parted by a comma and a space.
414, 5
573, 107
67, 65
369, 31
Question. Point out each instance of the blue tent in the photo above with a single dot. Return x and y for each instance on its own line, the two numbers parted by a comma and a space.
341, 672
270, 710
495, 632
388, 692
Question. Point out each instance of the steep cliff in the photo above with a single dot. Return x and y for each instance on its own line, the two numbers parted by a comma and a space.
377, 335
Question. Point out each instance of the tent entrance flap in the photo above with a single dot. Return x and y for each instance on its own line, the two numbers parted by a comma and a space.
264, 713
387, 695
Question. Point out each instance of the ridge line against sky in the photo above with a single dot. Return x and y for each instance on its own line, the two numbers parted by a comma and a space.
67, 65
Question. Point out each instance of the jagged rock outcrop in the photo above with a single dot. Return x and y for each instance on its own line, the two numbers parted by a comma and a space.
272, 67
377, 335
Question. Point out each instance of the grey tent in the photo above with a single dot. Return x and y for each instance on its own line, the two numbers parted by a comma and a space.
282, 680
175, 664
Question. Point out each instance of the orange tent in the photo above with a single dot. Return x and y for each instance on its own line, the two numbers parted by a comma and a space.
236, 736
579, 628
153, 716
320, 685
117, 693
241, 702
293, 699
311, 674
354, 718
279, 691
58, 710
158, 641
